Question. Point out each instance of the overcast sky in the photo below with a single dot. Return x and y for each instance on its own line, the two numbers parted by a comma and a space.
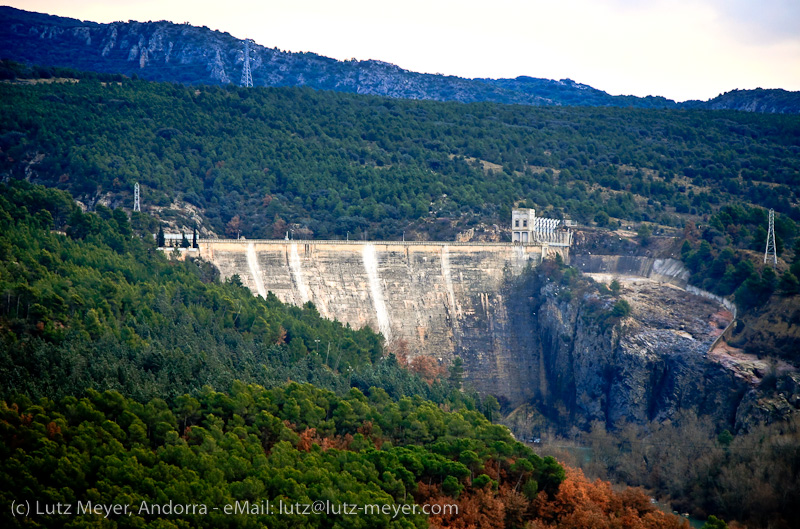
680, 49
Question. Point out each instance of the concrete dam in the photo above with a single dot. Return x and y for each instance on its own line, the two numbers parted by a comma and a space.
524, 337
431, 298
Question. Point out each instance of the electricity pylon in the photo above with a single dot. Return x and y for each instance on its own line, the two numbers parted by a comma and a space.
247, 76
771, 240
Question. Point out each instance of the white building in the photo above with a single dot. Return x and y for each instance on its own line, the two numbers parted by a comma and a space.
527, 228
522, 221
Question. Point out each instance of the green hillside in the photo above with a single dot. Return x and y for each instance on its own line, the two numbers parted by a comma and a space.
219, 459
138, 391
127, 375
336, 163
98, 306
269, 162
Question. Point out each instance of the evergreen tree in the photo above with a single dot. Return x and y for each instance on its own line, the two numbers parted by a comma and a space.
456, 373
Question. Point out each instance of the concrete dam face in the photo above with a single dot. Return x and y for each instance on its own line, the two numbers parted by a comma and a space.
435, 299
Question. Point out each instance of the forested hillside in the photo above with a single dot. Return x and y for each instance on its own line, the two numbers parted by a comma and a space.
129, 376
265, 163
120, 379
230, 459
334, 163
87, 301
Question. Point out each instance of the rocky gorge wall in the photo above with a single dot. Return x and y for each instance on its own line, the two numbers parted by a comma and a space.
646, 366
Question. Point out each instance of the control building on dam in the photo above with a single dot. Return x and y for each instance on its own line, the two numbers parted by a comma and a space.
438, 299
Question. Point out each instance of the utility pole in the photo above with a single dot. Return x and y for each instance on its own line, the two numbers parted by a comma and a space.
247, 76
137, 206
771, 240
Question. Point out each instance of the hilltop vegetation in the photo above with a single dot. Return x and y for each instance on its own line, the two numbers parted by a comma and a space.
332, 163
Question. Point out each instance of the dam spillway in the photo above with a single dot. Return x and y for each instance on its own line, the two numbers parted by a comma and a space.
424, 297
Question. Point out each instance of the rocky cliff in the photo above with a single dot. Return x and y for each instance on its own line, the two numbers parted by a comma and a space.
671, 352
164, 51
640, 367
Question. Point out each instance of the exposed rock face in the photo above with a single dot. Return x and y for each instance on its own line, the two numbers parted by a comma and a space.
645, 367
164, 51
735, 386
769, 406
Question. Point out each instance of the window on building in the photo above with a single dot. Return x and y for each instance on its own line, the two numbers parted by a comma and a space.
524, 223
516, 223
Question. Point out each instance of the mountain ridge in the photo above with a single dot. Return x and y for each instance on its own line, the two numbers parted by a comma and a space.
166, 51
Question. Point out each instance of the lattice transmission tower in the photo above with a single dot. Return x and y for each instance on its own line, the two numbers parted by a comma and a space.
771, 240
137, 206
247, 76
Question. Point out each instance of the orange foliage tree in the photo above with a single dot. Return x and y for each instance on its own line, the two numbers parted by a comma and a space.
581, 504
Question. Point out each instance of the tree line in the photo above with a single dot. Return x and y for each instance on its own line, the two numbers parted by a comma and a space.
295, 443
330, 164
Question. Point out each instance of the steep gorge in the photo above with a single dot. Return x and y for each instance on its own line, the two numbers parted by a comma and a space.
526, 334
671, 353
641, 367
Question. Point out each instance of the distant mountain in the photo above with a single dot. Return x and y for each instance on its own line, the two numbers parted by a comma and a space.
164, 51
772, 101
568, 92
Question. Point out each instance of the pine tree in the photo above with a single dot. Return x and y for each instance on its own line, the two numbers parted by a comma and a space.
456, 373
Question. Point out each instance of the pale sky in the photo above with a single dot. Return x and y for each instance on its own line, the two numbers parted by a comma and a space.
680, 49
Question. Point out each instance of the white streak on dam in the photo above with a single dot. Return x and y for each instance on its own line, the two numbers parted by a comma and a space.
454, 309
255, 270
376, 290
297, 274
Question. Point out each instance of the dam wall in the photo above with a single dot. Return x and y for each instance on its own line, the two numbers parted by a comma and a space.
426, 298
